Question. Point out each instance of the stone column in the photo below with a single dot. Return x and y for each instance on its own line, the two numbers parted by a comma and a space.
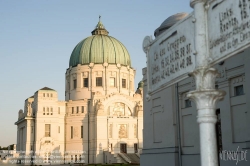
205, 97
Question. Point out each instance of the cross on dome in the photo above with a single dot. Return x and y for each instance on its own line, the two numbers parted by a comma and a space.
100, 29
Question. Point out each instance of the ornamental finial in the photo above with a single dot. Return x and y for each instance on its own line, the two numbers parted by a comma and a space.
100, 29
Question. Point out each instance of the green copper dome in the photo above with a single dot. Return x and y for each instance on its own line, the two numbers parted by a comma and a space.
100, 48
140, 84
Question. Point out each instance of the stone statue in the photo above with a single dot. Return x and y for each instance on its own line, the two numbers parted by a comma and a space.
100, 109
28, 109
99, 106
20, 114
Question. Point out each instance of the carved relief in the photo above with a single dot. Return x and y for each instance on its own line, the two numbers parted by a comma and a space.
119, 109
122, 131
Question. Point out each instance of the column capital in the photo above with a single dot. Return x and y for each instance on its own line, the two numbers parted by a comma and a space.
205, 77
206, 99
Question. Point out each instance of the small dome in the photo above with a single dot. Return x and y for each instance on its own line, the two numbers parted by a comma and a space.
170, 21
100, 48
140, 88
140, 84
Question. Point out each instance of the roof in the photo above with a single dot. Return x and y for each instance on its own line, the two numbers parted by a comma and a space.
29, 97
46, 88
170, 21
100, 48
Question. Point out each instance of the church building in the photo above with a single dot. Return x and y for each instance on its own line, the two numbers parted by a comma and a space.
100, 120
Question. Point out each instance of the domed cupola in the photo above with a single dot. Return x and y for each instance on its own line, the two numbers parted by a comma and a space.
100, 48
100, 29
169, 22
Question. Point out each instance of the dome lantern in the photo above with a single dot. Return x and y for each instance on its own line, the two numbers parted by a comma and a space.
100, 29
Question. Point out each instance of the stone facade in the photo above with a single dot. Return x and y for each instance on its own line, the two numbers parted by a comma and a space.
164, 131
100, 117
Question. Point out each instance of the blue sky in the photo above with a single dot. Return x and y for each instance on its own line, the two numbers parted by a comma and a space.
37, 38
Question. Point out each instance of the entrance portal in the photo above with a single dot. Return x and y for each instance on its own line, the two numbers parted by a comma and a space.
123, 148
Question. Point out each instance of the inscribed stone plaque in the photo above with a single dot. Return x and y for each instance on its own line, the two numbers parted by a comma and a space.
228, 28
170, 56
